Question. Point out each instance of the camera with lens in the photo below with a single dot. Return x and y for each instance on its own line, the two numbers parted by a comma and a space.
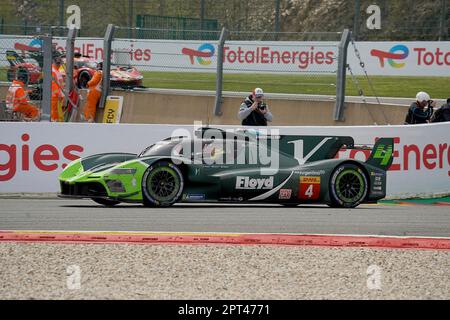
262, 106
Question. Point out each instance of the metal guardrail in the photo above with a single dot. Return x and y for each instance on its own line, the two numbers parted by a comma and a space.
47, 49
341, 76
219, 75
107, 45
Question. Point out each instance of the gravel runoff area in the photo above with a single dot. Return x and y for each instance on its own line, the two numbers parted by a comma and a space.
122, 271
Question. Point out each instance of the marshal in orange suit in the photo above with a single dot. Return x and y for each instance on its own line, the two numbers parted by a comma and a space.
94, 94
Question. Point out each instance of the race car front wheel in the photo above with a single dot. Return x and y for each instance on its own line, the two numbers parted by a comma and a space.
348, 186
162, 184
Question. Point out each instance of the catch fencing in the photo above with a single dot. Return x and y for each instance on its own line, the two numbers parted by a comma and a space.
21, 57
400, 20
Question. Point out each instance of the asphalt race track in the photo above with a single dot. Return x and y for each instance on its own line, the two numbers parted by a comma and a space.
85, 215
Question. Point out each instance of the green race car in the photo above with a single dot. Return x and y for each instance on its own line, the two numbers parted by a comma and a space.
243, 166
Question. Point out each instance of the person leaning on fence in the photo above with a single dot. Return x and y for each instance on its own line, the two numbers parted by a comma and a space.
57, 114
94, 94
254, 111
18, 101
442, 114
417, 113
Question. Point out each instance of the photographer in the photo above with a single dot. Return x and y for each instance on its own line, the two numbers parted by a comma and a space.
442, 114
254, 111
417, 113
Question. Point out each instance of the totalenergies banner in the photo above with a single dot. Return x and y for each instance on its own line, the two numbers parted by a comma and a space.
32, 155
289, 57
402, 58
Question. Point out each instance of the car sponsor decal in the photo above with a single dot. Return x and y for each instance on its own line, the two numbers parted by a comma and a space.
194, 197
247, 183
309, 188
285, 194
232, 199
271, 192
310, 173
377, 186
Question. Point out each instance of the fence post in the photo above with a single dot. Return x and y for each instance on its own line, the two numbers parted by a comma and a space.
202, 14
341, 76
130, 18
47, 51
70, 44
355, 30
107, 44
443, 21
277, 19
61, 16
219, 74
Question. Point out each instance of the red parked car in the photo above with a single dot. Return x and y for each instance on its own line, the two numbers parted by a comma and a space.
21, 64
84, 68
121, 76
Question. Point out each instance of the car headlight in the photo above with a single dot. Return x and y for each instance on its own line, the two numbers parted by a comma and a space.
123, 171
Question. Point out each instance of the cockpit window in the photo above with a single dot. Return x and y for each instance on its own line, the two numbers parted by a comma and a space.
159, 148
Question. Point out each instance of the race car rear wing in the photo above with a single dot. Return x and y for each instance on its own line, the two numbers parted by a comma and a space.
382, 154
13, 58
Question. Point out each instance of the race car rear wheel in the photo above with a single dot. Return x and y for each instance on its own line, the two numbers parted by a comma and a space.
106, 202
162, 184
348, 186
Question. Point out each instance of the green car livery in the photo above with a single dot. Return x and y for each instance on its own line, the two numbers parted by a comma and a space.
239, 167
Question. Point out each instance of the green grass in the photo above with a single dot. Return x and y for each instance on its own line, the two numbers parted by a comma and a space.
437, 87
428, 201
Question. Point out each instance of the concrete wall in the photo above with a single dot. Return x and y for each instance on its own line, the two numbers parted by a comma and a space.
178, 108
143, 107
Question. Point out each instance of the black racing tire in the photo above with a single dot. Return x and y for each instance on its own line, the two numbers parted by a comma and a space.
162, 184
348, 186
83, 78
106, 202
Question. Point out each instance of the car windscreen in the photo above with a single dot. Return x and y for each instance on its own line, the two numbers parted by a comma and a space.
87, 64
161, 148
